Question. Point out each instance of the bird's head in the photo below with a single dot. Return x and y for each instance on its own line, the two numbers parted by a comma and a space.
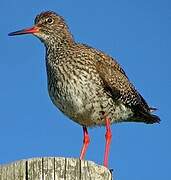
47, 25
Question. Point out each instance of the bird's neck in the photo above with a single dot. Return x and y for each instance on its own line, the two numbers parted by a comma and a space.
58, 46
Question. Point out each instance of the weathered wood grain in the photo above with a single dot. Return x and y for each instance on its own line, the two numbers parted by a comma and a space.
54, 168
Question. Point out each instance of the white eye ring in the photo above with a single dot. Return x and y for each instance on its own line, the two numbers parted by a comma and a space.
49, 20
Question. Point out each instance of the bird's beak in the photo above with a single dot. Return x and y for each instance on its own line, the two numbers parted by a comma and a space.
31, 30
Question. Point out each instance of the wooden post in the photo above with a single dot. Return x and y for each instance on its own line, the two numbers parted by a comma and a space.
54, 168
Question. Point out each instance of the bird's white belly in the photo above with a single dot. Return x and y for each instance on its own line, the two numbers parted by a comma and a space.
74, 106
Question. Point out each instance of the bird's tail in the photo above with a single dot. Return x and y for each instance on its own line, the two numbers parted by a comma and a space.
146, 117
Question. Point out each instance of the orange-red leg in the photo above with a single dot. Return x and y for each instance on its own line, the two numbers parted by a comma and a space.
86, 142
108, 137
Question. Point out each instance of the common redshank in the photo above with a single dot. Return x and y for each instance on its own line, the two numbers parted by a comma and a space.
86, 84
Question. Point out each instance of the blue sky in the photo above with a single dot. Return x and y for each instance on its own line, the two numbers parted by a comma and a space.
137, 33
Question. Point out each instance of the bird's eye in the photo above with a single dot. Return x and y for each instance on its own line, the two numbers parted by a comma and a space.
49, 20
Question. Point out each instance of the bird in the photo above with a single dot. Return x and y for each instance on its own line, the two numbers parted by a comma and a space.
85, 83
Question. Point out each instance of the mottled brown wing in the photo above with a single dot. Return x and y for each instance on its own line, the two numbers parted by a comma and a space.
117, 84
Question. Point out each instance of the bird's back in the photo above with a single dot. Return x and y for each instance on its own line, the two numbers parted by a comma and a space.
117, 84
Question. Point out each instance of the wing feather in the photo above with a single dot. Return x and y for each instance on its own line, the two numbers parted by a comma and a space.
117, 83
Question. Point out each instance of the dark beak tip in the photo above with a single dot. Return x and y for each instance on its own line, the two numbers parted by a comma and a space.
11, 34
15, 33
